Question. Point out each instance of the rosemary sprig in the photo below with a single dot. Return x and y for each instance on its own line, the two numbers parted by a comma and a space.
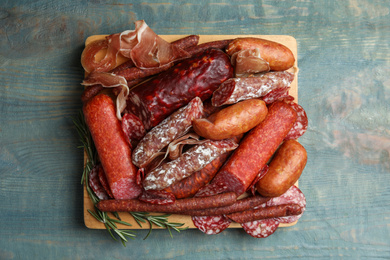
103, 217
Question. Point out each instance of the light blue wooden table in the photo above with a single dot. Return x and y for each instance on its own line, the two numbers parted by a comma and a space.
344, 85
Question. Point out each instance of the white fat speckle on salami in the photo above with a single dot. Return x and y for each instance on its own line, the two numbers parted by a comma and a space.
238, 89
133, 128
261, 228
292, 196
189, 162
168, 130
211, 225
96, 186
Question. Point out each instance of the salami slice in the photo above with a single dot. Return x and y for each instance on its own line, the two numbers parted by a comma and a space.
261, 228
104, 182
133, 128
94, 183
301, 124
292, 196
211, 225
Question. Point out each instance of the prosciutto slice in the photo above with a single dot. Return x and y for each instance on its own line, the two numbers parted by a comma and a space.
109, 80
142, 45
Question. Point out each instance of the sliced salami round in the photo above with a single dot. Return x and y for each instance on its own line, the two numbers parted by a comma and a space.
211, 225
104, 182
133, 128
94, 183
261, 228
292, 196
300, 125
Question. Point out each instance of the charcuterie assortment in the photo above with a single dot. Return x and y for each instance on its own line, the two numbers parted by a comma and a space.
204, 130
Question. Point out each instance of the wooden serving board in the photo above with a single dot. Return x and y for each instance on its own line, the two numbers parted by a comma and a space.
286, 40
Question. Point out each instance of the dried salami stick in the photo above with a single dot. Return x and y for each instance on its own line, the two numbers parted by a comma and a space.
237, 89
266, 213
238, 206
178, 206
189, 162
165, 132
222, 44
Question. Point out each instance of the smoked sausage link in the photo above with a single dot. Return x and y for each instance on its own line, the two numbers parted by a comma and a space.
284, 170
111, 145
199, 76
256, 149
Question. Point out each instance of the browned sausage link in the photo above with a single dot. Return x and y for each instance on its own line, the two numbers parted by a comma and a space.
182, 205
240, 205
90, 92
207, 45
266, 212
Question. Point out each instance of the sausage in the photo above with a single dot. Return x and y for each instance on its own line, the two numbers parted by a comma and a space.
284, 169
277, 55
91, 91
165, 132
187, 187
189, 162
181, 205
112, 147
133, 128
255, 149
199, 76
134, 73
265, 213
236, 89
302, 122
231, 121
95, 184
238, 206
220, 44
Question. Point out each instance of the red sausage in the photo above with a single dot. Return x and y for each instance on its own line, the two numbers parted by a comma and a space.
255, 149
221, 44
112, 147
178, 206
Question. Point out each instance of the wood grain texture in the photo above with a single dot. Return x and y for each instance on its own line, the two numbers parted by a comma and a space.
344, 63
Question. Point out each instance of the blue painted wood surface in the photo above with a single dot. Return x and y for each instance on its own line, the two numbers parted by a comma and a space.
344, 86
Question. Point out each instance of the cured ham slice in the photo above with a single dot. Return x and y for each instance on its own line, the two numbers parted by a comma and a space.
142, 45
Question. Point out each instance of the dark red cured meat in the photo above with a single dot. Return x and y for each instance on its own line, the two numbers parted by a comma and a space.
240, 205
261, 174
261, 228
221, 44
91, 91
292, 196
112, 147
236, 89
255, 150
277, 211
134, 73
190, 185
178, 206
172, 127
133, 128
211, 225
96, 186
199, 76
158, 197
301, 124
276, 94
189, 162
104, 182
